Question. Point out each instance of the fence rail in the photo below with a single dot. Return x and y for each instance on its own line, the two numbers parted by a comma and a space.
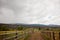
16, 36
47, 35
51, 35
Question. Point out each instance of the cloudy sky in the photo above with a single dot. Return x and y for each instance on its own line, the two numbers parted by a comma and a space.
30, 11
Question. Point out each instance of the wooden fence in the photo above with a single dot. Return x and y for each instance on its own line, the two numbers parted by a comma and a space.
51, 35
47, 35
15, 36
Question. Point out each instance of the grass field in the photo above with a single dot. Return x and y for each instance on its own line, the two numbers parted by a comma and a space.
26, 34
29, 33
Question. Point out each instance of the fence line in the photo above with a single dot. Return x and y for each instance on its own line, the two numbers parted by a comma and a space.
11, 37
17, 36
6, 33
51, 35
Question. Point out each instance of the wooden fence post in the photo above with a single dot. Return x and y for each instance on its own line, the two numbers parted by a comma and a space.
56, 35
52, 36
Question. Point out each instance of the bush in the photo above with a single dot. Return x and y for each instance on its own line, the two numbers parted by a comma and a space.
4, 28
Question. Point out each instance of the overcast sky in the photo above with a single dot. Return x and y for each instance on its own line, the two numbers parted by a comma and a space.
30, 11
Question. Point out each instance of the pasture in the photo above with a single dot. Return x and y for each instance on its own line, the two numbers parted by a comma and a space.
29, 33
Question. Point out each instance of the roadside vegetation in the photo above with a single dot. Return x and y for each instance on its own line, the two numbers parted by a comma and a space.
26, 32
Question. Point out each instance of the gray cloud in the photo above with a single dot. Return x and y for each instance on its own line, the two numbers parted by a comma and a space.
30, 11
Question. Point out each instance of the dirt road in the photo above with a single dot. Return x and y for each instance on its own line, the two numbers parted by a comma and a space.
35, 36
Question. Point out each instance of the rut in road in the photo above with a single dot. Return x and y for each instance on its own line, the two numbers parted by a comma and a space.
35, 36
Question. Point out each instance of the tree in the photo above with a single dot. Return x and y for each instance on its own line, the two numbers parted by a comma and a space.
39, 28
4, 28
19, 28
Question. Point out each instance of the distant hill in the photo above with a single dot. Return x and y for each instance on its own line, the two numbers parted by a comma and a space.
29, 25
